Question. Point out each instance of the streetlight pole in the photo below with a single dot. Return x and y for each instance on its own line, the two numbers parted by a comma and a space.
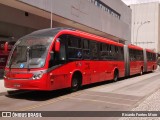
51, 13
139, 28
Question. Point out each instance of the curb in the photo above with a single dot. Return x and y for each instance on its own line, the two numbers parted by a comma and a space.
3, 93
7, 92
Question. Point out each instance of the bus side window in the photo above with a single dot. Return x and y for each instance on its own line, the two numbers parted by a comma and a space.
74, 48
120, 53
103, 51
94, 50
62, 54
148, 56
113, 53
86, 50
131, 57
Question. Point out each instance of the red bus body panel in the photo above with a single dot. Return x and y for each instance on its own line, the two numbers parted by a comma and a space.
61, 77
135, 67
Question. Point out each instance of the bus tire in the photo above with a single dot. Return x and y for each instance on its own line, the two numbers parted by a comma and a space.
141, 72
153, 68
76, 83
116, 75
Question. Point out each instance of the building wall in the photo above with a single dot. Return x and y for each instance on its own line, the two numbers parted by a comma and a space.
80, 14
146, 25
14, 23
122, 8
158, 43
10, 31
86, 13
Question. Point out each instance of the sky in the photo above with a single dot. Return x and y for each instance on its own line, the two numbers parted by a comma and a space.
128, 2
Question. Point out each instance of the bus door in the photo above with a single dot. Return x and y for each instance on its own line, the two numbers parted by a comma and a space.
59, 72
87, 62
95, 72
87, 72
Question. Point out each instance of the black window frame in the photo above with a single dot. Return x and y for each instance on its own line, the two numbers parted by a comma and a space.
96, 57
86, 49
79, 48
104, 51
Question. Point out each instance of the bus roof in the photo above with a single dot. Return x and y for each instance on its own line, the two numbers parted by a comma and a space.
99, 38
49, 32
134, 47
149, 50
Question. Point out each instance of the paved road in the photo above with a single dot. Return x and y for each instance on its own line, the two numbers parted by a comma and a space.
123, 95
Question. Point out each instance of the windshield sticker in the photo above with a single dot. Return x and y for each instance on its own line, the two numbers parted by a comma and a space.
41, 63
21, 65
79, 54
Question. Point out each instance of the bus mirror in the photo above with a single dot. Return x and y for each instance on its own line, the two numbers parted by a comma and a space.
6, 47
57, 45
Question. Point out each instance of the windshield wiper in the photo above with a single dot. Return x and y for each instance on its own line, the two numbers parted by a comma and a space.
28, 49
11, 60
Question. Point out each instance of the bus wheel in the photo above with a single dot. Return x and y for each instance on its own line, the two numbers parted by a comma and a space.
116, 75
75, 84
153, 69
141, 72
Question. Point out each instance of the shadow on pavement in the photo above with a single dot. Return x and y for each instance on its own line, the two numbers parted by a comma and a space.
46, 95
37, 95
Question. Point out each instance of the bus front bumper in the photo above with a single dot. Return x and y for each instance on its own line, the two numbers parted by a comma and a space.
26, 84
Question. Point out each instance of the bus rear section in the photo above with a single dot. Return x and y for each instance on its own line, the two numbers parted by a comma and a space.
150, 60
134, 60
59, 58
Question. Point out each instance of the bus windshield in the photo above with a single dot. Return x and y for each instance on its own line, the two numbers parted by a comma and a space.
30, 52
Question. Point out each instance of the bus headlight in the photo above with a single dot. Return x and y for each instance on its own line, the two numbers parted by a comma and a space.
37, 76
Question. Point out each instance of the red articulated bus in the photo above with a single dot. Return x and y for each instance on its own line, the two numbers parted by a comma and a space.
59, 58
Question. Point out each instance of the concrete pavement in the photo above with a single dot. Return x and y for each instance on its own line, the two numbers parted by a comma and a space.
149, 104
3, 90
132, 94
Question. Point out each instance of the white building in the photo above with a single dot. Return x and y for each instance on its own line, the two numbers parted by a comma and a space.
108, 18
146, 25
